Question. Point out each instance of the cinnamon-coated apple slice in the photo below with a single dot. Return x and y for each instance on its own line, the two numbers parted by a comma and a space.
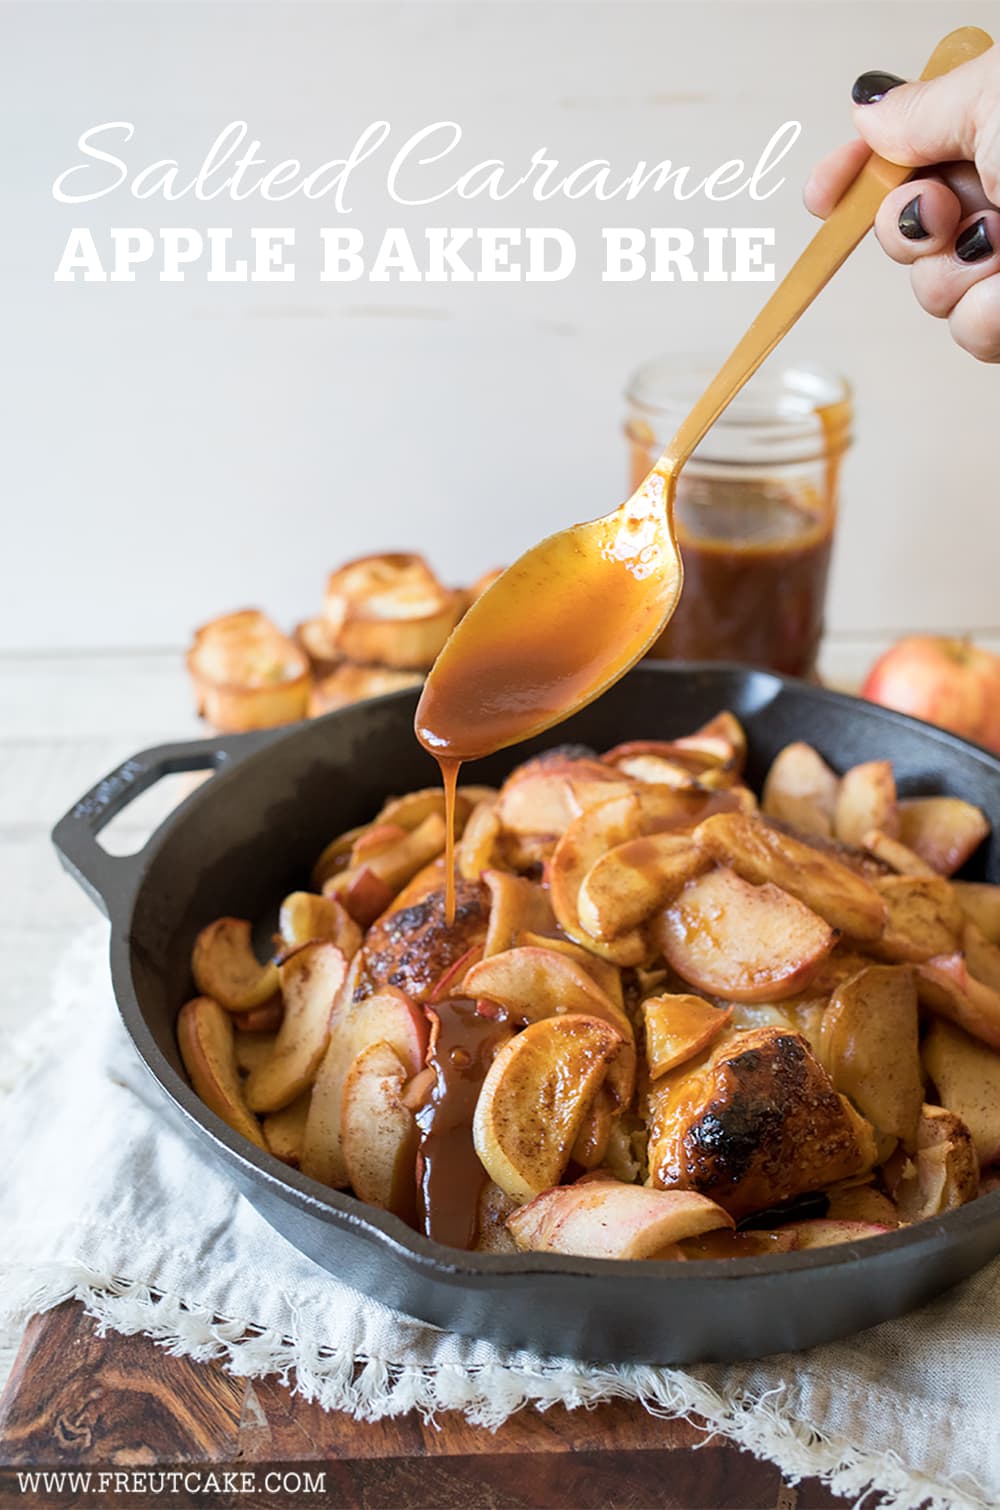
980, 902
206, 1037
410, 810
678, 1027
758, 853
923, 918
966, 1075
624, 888
225, 967
602, 1218
866, 799
945, 985
533, 983
265, 1019
379, 1132
943, 831
306, 916
387, 1017
285, 1130
517, 906
861, 1203
591, 1143
801, 790
869, 1046
310, 981
607, 975
742, 942
535, 1097
366, 889
586, 839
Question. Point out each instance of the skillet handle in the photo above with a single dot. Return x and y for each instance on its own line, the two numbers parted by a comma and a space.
102, 875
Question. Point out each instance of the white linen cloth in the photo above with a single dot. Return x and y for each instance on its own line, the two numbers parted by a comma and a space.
102, 1201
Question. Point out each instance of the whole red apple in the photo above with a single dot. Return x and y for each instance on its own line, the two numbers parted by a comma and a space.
948, 682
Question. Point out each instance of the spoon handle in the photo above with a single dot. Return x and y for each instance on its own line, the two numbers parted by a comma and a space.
826, 252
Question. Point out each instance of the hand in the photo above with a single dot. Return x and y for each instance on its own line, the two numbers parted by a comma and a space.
944, 224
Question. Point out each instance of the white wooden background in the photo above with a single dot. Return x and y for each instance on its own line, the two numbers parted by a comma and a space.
174, 450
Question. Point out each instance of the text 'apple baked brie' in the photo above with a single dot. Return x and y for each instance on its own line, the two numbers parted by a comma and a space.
667, 1021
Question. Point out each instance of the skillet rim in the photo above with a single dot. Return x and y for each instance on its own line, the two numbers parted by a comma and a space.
340, 1209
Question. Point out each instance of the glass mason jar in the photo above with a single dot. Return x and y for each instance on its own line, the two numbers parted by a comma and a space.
756, 508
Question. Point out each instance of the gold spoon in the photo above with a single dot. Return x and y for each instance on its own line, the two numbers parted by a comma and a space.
576, 612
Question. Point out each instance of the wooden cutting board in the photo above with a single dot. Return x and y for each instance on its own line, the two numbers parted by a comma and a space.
75, 1400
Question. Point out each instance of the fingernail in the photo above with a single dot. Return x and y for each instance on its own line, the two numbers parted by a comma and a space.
870, 87
910, 224
974, 243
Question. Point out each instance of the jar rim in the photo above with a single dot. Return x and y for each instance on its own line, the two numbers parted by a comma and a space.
781, 404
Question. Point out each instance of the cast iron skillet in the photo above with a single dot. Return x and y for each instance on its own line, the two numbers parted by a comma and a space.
248, 836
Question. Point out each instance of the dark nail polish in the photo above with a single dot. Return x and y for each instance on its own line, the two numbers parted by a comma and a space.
974, 243
870, 87
910, 224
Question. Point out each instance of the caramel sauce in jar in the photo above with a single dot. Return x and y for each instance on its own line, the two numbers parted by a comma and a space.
756, 508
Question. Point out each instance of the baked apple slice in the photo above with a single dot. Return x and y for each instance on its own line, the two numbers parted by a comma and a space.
369, 886
624, 888
306, 916
760, 853
742, 942
379, 1133
532, 984
943, 831
544, 796
869, 1045
607, 976
284, 1130
861, 1203
265, 1019
801, 790
388, 1017
517, 906
534, 1099
967, 1078
866, 799
945, 985
824, 1233
982, 957
225, 967
945, 1171
476, 850
981, 903
206, 1038
586, 839
678, 1027
602, 1218
310, 981
895, 855
923, 918
252, 1049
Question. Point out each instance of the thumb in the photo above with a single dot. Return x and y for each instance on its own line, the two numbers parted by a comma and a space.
936, 121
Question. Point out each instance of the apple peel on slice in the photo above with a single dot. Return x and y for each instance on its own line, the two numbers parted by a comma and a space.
225, 967
628, 884
544, 796
760, 853
310, 981
741, 942
517, 906
602, 1218
534, 1099
207, 1043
